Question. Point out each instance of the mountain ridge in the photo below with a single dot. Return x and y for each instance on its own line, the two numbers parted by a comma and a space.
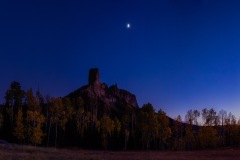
104, 95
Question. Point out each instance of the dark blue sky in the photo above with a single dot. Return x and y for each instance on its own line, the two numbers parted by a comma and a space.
178, 55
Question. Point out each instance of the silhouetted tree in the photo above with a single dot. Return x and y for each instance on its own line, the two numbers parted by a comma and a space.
164, 132
148, 125
210, 117
177, 134
56, 110
191, 117
222, 116
79, 117
14, 97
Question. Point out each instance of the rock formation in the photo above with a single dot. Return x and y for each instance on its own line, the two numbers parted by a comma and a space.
102, 94
93, 76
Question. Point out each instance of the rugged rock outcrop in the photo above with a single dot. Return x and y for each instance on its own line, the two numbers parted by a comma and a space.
93, 77
102, 94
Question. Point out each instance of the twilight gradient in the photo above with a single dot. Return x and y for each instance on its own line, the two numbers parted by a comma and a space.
178, 55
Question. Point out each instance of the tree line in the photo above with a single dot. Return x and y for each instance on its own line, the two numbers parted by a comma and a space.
29, 118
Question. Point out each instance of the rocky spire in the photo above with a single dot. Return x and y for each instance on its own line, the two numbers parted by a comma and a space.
104, 95
93, 77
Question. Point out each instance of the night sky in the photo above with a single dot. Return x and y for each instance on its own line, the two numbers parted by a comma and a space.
178, 55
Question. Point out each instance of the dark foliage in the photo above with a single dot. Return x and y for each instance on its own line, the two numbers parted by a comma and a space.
100, 117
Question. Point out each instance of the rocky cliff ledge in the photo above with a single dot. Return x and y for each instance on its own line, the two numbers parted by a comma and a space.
102, 94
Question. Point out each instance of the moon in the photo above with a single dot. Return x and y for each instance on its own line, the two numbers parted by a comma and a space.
128, 25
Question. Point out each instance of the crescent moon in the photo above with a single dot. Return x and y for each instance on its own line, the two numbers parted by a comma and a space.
128, 25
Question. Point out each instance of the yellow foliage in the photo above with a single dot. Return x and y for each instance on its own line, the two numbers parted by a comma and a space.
208, 137
19, 129
106, 128
34, 131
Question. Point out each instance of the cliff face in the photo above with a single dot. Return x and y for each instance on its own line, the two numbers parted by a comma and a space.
109, 96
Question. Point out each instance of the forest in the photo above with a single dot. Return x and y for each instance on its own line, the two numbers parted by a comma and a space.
29, 118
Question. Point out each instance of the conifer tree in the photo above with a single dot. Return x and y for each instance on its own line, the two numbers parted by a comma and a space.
13, 96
